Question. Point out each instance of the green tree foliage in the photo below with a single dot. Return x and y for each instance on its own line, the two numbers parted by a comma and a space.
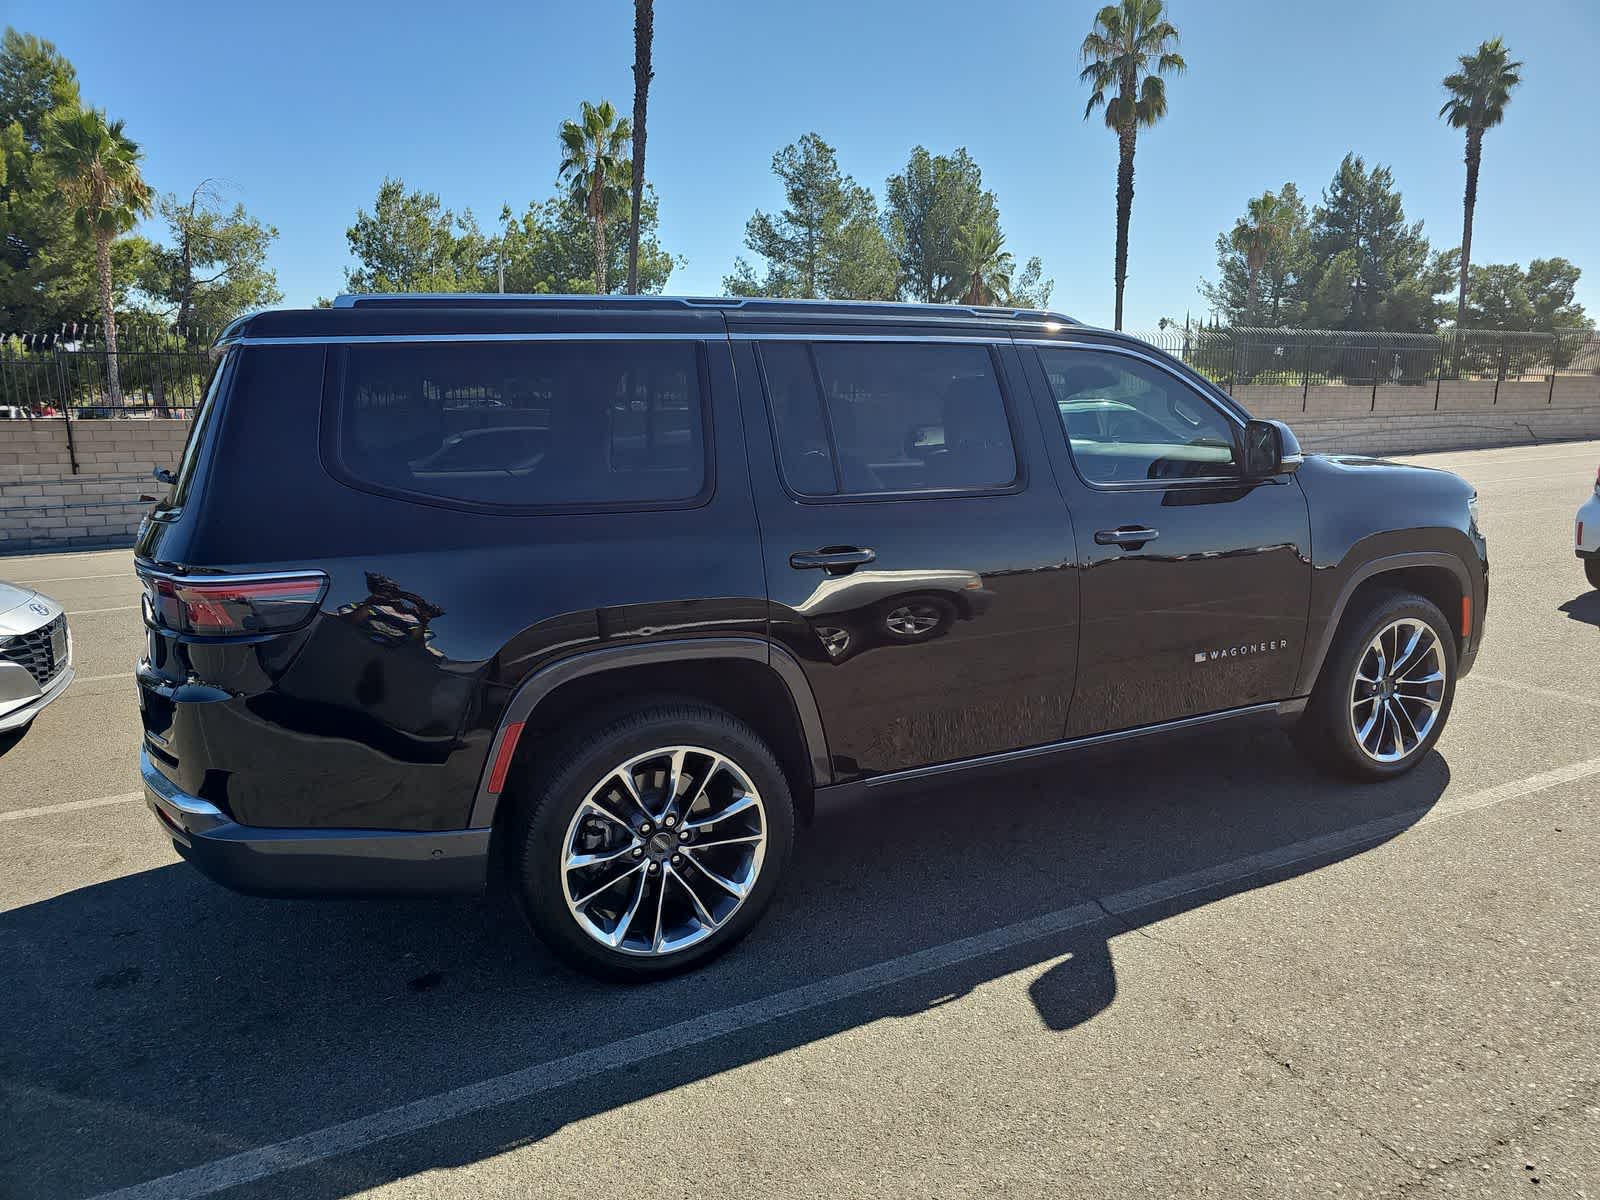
599, 175
1542, 298
46, 263
410, 242
96, 167
826, 243
215, 266
928, 204
1131, 45
1478, 95
1262, 261
550, 247
1370, 267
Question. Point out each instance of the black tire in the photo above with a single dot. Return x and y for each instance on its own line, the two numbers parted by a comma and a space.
1325, 732
1591, 568
547, 800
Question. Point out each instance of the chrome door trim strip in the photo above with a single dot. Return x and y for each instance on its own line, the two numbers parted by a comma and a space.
380, 339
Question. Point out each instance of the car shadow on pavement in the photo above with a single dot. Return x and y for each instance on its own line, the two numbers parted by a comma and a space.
157, 1022
1585, 608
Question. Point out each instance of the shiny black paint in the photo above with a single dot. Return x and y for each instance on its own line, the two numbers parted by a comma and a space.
995, 674
382, 713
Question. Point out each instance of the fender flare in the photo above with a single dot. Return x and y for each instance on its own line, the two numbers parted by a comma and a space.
548, 678
1312, 666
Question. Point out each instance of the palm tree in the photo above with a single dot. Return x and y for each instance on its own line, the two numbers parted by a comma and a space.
1258, 236
1479, 93
96, 166
1131, 44
983, 266
592, 163
644, 32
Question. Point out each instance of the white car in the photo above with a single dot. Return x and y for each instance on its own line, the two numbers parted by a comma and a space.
35, 654
1586, 534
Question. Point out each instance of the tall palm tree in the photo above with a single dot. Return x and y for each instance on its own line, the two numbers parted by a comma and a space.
592, 163
96, 167
1131, 44
982, 266
1257, 236
644, 32
1479, 93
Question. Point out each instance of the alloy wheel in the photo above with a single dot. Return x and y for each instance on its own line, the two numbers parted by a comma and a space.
663, 851
914, 619
1398, 690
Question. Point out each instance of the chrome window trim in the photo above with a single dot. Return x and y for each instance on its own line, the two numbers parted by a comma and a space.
996, 339
401, 339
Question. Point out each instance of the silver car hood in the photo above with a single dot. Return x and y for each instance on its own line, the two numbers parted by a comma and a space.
22, 609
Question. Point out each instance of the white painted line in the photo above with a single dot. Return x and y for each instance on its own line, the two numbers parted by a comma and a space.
69, 578
362, 1132
1550, 693
103, 678
50, 810
84, 612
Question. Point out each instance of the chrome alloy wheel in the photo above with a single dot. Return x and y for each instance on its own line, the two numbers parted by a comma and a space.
913, 619
1397, 691
663, 851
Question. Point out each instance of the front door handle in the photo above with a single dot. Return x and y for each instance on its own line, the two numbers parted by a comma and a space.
840, 559
1129, 537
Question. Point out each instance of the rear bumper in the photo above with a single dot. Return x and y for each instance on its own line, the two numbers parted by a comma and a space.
314, 862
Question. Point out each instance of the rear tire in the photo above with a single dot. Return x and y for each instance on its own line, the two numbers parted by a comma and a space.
1591, 568
1385, 690
693, 851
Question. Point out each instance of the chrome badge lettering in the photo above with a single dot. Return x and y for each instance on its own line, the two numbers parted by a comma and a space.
1243, 650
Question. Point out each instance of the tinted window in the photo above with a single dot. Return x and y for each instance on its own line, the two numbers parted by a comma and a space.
525, 423
893, 417
1126, 420
203, 421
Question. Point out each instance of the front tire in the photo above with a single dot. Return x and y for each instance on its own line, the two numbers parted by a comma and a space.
1591, 568
652, 841
1385, 690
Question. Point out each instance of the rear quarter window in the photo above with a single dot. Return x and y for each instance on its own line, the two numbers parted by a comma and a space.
526, 425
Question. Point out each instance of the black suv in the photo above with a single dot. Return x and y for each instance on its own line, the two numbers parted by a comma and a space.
603, 595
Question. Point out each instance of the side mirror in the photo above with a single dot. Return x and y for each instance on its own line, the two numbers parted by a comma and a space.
1270, 449
163, 475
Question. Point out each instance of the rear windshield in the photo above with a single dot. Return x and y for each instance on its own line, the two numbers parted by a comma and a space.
524, 424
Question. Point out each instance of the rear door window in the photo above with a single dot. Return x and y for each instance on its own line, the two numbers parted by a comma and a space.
524, 424
862, 418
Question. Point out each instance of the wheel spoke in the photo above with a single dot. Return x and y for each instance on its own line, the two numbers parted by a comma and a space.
733, 889
661, 900
1403, 658
1400, 709
600, 810
583, 900
621, 931
701, 912
577, 862
712, 767
732, 841
1365, 731
743, 804
630, 791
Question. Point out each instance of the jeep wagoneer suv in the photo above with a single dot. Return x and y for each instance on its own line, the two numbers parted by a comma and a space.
603, 595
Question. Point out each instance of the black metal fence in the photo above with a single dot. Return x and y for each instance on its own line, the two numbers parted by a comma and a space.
1240, 356
161, 372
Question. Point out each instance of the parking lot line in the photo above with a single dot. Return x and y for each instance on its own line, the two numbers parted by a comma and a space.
84, 612
1531, 689
50, 810
354, 1135
70, 578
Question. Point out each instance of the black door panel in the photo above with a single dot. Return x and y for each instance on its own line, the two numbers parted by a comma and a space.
1195, 586
958, 636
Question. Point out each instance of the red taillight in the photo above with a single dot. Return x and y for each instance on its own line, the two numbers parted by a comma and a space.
235, 606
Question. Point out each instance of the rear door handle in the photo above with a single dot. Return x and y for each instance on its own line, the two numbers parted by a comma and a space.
844, 559
1129, 537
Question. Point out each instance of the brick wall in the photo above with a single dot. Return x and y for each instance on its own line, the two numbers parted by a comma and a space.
44, 505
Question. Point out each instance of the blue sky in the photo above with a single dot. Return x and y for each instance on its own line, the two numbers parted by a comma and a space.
303, 108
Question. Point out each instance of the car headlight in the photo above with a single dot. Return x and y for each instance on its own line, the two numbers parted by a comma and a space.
1472, 513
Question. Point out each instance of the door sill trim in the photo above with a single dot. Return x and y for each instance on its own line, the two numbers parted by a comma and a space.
855, 789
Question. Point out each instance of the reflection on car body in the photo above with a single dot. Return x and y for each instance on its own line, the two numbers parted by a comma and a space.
849, 613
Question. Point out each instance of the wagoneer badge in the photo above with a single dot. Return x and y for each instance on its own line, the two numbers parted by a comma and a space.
1247, 648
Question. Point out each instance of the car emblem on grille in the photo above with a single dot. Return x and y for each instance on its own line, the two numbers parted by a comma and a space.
38, 608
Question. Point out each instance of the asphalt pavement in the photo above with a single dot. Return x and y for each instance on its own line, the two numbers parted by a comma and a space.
1196, 967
